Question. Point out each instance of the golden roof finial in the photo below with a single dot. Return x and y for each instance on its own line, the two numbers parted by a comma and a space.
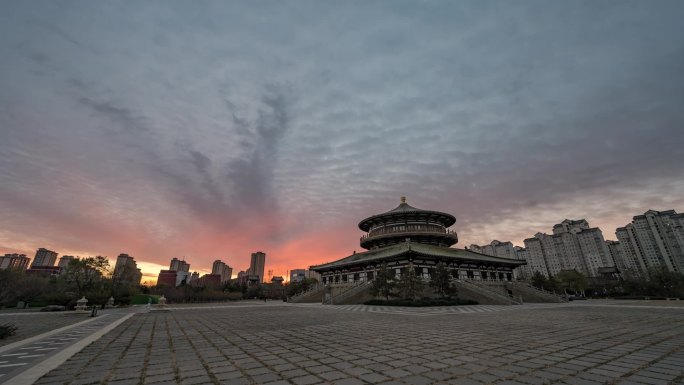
403, 199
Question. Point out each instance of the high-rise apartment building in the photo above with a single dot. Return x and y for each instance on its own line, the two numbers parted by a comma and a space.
594, 251
126, 270
574, 245
503, 250
14, 261
257, 265
221, 269
44, 257
534, 253
65, 260
618, 257
179, 265
297, 275
654, 239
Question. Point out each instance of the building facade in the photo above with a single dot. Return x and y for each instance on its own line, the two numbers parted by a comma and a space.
257, 265
44, 257
126, 270
179, 265
14, 261
534, 253
298, 275
221, 269
574, 245
167, 278
65, 260
410, 238
504, 250
208, 280
654, 239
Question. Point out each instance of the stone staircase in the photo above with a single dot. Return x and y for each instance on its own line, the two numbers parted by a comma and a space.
348, 295
314, 294
531, 293
483, 294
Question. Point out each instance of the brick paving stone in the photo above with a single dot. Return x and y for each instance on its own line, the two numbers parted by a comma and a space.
464, 381
305, 380
294, 373
235, 381
266, 377
282, 367
648, 380
659, 375
125, 382
159, 378
196, 380
228, 375
569, 344
333, 375
581, 381
348, 381
373, 378
417, 380
397, 373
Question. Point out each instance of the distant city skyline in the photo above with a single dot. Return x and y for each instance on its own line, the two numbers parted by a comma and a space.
150, 275
205, 132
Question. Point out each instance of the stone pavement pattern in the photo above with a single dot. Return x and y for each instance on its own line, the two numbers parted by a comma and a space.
30, 324
567, 344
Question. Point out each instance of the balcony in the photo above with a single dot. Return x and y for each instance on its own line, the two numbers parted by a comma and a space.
408, 229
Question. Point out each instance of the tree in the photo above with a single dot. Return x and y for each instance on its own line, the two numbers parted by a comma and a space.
383, 284
410, 285
16, 285
538, 280
296, 287
441, 281
83, 274
31, 288
552, 284
8, 281
663, 282
572, 280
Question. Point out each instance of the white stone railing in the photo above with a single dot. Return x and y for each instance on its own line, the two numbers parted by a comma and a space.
541, 291
482, 289
353, 289
310, 290
410, 229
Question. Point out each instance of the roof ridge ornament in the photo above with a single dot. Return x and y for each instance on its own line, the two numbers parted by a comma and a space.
403, 199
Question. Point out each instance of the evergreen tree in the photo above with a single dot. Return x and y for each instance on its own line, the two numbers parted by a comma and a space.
383, 284
538, 280
410, 285
440, 281
572, 280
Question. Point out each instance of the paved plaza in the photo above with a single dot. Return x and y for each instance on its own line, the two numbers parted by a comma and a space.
588, 342
34, 323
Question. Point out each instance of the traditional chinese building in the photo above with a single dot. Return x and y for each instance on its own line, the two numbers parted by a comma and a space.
407, 236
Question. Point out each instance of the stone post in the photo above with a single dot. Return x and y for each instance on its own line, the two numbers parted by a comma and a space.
81, 305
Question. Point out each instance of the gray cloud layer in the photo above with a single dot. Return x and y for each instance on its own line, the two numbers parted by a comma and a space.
169, 123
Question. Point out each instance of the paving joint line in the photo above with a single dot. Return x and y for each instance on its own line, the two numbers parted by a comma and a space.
40, 369
50, 333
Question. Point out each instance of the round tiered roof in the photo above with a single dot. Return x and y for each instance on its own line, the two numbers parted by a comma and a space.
407, 223
406, 211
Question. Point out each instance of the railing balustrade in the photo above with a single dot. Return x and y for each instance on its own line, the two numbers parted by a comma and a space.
408, 229
487, 291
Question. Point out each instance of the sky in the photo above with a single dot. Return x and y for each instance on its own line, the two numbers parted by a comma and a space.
209, 130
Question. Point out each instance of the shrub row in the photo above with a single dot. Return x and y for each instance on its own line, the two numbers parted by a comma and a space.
7, 330
421, 302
